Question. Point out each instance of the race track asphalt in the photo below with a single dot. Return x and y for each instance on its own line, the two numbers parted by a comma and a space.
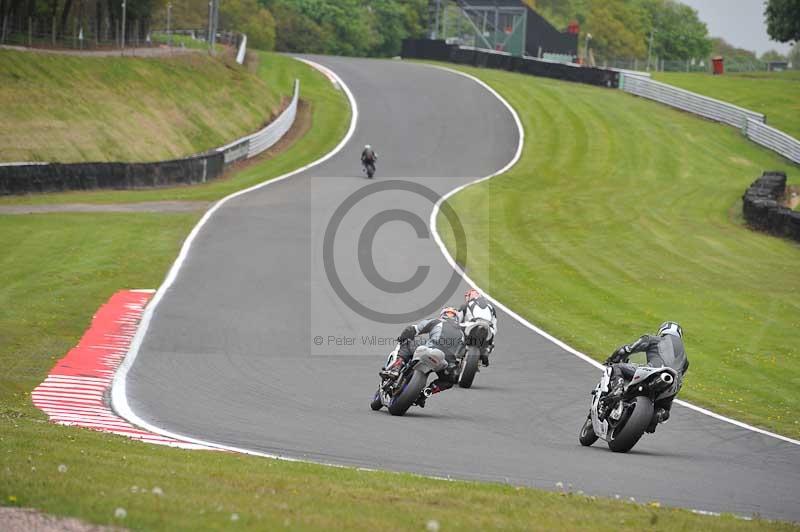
231, 354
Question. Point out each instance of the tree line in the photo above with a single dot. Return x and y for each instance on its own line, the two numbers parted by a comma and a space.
667, 29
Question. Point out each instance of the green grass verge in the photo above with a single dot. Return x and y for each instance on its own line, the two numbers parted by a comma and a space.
623, 213
330, 120
185, 41
203, 490
774, 94
70, 109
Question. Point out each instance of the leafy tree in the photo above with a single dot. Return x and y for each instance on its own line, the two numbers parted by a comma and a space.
783, 20
679, 34
347, 27
720, 46
250, 18
298, 33
617, 29
772, 55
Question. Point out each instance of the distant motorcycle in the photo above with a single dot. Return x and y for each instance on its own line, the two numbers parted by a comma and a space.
477, 338
622, 421
369, 168
400, 394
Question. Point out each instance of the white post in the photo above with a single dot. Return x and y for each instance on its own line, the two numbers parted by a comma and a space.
122, 44
169, 33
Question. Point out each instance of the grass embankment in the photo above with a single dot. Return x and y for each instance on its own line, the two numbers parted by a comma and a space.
71, 109
329, 121
624, 213
774, 94
57, 269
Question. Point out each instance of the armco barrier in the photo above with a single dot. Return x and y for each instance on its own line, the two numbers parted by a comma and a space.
752, 124
437, 50
775, 140
23, 178
688, 101
252, 145
762, 209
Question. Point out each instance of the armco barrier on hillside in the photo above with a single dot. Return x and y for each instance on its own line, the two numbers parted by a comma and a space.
752, 124
762, 209
774, 139
437, 50
23, 178
688, 101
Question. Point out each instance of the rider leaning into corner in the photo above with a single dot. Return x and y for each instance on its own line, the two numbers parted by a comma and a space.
444, 334
475, 307
663, 349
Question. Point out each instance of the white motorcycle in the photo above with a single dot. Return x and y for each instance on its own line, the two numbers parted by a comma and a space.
478, 336
622, 423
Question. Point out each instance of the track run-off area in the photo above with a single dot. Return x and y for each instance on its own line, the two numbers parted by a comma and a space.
270, 329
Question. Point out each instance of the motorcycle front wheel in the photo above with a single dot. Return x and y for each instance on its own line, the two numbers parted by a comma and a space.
403, 401
628, 431
587, 436
376, 403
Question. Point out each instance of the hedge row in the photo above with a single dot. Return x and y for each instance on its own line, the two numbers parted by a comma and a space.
763, 210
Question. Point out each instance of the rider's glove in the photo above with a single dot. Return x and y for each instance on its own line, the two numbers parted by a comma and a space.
408, 334
619, 355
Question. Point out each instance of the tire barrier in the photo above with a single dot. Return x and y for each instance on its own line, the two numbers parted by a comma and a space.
438, 50
762, 208
26, 178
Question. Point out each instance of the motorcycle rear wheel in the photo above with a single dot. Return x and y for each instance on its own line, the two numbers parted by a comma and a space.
625, 437
469, 367
409, 395
587, 436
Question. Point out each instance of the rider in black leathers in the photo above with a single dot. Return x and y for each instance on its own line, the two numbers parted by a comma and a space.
368, 156
445, 335
664, 349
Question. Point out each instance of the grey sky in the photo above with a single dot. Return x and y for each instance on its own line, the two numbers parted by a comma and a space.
740, 22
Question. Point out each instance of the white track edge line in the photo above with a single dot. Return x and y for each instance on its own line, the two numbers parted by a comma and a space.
520, 319
119, 398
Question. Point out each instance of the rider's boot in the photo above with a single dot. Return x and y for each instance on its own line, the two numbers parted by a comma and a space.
485, 360
607, 401
427, 392
615, 387
661, 416
393, 371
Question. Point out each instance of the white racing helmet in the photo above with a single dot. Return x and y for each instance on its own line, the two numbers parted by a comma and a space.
670, 327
